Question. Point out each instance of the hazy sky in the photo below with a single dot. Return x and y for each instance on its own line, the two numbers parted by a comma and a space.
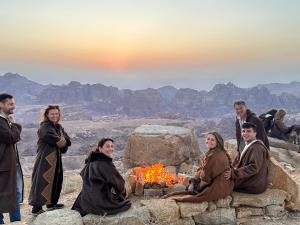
138, 44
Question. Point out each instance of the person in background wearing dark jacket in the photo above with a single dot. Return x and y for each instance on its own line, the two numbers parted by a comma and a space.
246, 115
279, 129
47, 175
11, 176
103, 190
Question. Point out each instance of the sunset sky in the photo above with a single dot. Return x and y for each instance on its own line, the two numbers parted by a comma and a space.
138, 44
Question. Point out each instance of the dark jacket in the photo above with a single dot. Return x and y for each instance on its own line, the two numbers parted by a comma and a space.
260, 131
250, 173
47, 175
9, 136
103, 191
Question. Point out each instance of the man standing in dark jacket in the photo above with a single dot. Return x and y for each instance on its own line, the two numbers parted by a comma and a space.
11, 177
246, 115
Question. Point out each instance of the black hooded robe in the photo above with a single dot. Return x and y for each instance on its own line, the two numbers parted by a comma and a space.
103, 191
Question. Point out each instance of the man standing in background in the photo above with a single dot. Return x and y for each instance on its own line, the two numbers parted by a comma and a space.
11, 176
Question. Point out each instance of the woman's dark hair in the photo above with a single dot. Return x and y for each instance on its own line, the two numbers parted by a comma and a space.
46, 112
101, 143
220, 144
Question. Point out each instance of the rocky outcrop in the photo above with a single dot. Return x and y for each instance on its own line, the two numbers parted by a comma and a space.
283, 144
150, 144
236, 209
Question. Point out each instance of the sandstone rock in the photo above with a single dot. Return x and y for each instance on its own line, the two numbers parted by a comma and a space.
281, 179
139, 189
184, 221
163, 210
269, 197
219, 216
191, 209
257, 220
59, 217
178, 187
184, 168
275, 210
130, 184
153, 192
243, 212
170, 169
18, 223
150, 144
282, 144
224, 202
212, 206
134, 216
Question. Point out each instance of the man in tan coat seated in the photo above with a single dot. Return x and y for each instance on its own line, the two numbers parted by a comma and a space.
250, 168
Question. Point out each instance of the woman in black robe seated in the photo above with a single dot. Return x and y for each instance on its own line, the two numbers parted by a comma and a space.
103, 191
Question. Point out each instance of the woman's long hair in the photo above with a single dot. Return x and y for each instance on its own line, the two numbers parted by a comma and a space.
220, 144
46, 112
280, 114
100, 145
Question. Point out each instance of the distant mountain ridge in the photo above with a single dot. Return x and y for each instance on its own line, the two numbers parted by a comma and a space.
107, 100
278, 88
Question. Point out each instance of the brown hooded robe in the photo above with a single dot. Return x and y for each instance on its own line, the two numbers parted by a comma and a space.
250, 173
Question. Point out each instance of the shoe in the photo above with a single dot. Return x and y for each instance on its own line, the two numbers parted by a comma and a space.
36, 210
55, 206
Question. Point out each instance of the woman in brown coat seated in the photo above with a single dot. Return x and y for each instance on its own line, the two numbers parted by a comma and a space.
209, 183
103, 191
279, 129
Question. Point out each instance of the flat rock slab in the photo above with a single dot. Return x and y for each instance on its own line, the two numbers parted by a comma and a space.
219, 216
269, 197
134, 216
192, 209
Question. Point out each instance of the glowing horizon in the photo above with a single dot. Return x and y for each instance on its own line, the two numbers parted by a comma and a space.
148, 35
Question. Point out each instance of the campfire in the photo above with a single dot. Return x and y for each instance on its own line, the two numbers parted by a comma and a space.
154, 180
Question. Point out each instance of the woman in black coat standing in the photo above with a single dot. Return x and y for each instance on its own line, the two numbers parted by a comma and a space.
47, 176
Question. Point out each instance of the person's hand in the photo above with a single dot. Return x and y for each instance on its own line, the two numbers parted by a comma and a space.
227, 174
11, 119
176, 198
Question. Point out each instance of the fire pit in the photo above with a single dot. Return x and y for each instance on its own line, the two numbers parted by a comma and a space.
154, 180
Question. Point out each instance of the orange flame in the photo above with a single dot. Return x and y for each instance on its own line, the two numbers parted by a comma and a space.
155, 173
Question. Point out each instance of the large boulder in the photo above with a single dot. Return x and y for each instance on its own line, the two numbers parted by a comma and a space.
134, 216
59, 217
170, 145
